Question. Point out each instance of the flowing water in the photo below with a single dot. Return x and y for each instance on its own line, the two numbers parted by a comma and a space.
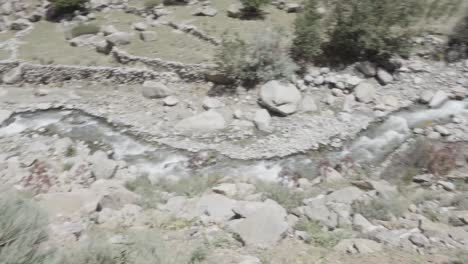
162, 161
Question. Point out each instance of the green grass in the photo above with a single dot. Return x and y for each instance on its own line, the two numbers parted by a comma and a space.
218, 25
320, 237
169, 45
286, 197
46, 44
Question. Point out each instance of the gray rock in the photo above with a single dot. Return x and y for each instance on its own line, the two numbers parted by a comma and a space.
206, 11
19, 24
101, 166
282, 98
119, 38
361, 224
358, 246
384, 77
424, 178
367, 68
262, 120
212, 103
352, 81
153, 89
109, 30
448, 186
293, 8
102, 46
99, 4
365, 92
113, 194
426, 96
170, 101
203, 122
263, 226
140, 26
419, 240
5, 115
148, 36
442, 130
68, 204
346, 195
13, 76
308, 104
316, 210
216, 207
439, 98
234, 10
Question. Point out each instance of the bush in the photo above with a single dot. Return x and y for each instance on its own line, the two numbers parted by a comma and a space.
372, 30
84, 29
382, 208
252, 8
318, 236
149, 4
286, 197
190, 186
308, 40
22, 230
68, 5
265, 57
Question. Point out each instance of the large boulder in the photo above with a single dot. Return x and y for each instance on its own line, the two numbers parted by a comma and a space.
262, 120
152, 89
101, 166
216, 207
439, 98
119, 38
205, 11
365, 92
75, 203
203, 122
263, 224
13, 76
280, 97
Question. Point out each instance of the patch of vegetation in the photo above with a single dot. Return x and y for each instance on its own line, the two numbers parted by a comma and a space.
382, 208
264, 57
320, 237
253, 8
307, 43
23, 227
67, 6
460, 201
283, 195
67, 166
189, 186
198, 256
70, 151
150, 4
461, 258
175, 224
84, 29
150, 196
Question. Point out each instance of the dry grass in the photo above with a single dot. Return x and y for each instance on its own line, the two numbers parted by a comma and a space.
46, 44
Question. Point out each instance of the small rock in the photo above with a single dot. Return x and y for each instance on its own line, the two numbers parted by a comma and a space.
365, 92
171, 101
384, 77
439, 98
262, 120
148, 36
448, 186
13, 76
140, 26
206, 11
419, 240
442, 130
367, 68
308, 104
119, 38
426, 97
212, 103
153, 89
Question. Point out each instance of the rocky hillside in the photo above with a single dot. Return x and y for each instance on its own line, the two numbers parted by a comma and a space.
123, 141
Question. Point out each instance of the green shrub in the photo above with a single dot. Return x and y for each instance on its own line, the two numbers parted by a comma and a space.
149, 4
84, 29
320, 237
382, 208
253, 8
264, 57
22, 230
286, 197
150, 195
371, 30
307, 42
68, 5
189, 186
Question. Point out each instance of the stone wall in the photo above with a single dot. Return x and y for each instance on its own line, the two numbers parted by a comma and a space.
185, 71
37, 73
